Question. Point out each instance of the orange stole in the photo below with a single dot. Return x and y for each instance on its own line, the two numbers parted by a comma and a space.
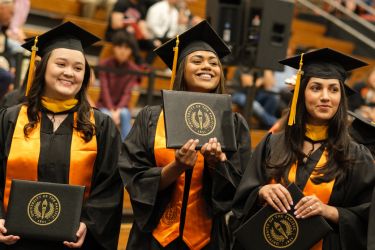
25, 152
322, 191
197, 229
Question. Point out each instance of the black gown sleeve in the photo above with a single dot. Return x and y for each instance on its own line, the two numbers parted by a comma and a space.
102, 211
354, 210
139, 172
8, 118
227, 175
245, 199
371, 225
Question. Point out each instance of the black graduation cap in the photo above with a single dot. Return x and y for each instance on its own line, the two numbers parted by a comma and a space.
200, 37
67, 35
362, 130
326, 63
323, 63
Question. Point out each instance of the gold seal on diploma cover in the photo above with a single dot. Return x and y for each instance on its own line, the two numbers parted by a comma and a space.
43, 209
200, 119
280, 230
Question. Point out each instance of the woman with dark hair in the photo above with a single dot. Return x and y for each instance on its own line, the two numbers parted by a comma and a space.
314, 151
55, 136
179, 197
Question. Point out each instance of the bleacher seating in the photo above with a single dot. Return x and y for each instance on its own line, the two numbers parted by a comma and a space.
97, 27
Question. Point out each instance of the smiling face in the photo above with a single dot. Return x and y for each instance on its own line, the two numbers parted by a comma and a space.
64, 74
202, 71
322, 99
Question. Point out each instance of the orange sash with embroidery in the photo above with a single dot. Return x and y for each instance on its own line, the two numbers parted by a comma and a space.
197, 228
24, 156
322, 191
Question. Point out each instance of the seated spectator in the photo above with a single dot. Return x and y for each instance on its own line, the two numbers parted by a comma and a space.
8, 46
265, 103
129, 15
21, 10
162, 20
186, 19
116, 87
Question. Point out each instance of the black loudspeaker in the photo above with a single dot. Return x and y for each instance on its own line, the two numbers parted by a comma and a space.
226, 18
267, 33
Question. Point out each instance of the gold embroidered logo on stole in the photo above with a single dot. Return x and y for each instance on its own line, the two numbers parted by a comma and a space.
170, 215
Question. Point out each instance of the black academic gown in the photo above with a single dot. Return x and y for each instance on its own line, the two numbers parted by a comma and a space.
351, 197
371, 225
141, 177
102, 211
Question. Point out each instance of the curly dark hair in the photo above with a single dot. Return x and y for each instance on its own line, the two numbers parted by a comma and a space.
181, 85
337, 143
34, 104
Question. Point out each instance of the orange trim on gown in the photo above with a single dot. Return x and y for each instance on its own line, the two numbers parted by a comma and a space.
197, 228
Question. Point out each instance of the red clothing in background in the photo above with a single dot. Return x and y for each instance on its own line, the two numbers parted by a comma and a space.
116, 88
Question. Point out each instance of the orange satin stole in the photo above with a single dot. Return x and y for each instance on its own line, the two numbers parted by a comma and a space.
24, 156
197, 228
322, 191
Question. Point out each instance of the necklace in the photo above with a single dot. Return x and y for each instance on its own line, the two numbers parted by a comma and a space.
313, 143
56, 120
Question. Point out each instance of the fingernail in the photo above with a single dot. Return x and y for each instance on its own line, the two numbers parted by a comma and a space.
285, 211
288, 207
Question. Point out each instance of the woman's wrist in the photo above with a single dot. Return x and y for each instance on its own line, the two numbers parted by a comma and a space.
331, 213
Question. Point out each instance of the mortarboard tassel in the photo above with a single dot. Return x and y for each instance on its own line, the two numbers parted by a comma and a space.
175, 56
30, 76
293, 106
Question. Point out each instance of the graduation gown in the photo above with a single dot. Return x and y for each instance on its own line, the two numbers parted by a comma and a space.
351, 197
141, 177
102, 210
371, 225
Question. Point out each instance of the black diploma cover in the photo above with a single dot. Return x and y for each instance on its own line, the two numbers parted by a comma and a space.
192, 115
268, 229
43, 210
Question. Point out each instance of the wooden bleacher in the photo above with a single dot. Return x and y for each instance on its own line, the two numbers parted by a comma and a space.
96, 27
57, 7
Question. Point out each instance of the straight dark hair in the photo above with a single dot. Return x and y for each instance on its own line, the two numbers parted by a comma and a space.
33, 101
181, 85
337, 143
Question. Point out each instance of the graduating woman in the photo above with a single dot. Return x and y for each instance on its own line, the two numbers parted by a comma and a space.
315, 151
55, 136
179, 197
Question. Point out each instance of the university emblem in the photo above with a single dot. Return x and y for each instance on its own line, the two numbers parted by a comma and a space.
280, 230
43, 209
200, 119
170, 215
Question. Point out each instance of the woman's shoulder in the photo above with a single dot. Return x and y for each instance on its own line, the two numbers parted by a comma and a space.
10, 113
102, 119
356, 149
150, 111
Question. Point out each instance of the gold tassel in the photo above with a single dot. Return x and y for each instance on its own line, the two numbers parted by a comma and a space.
174, 67
31, 74
293, 107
